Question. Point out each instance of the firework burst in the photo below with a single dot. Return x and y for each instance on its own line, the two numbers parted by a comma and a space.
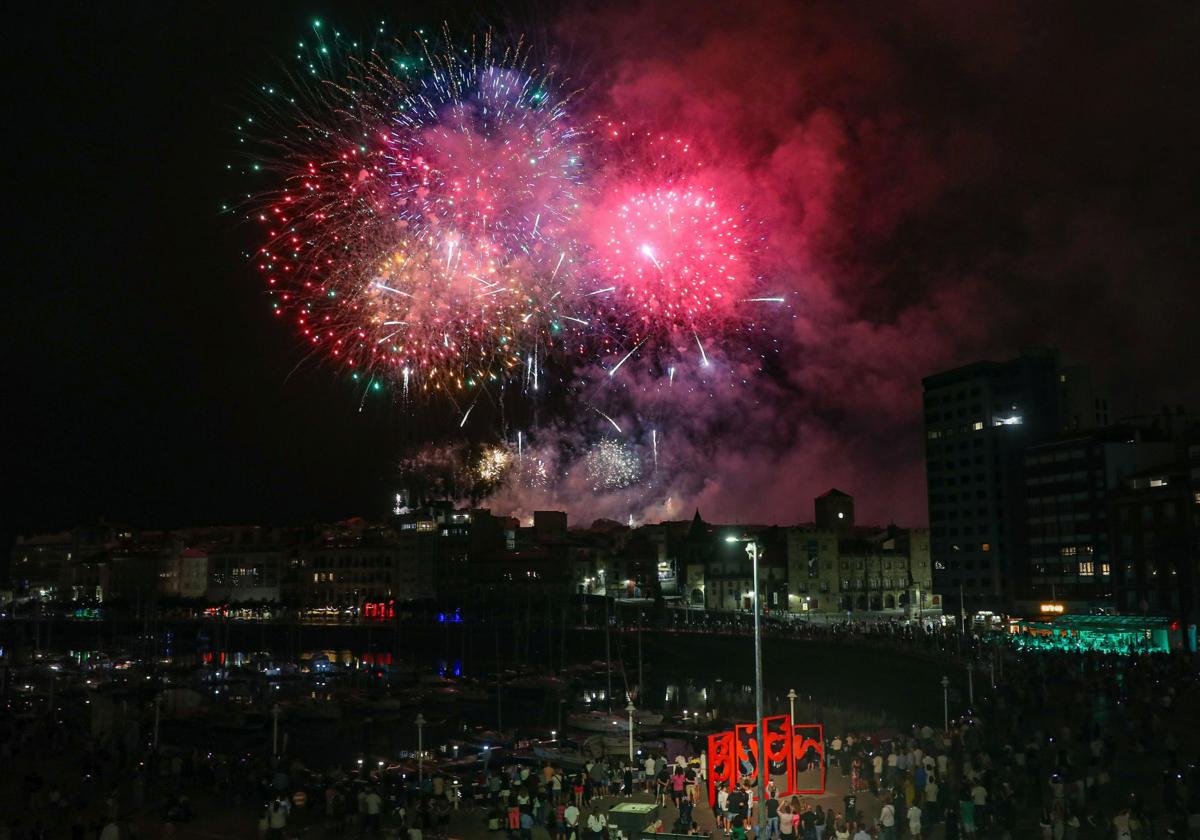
612, 465
420, 192
493, 465
673, 260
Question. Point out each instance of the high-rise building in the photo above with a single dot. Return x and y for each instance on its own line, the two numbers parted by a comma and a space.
1068, 482
979, 419
1156, 543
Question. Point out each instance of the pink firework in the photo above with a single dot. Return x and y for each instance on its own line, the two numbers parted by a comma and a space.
672, 255
676, 257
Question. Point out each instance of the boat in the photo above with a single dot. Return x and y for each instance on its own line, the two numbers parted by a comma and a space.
560, 756
608, 722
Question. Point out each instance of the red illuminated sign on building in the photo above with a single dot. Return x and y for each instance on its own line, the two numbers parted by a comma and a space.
789, 750
379, 610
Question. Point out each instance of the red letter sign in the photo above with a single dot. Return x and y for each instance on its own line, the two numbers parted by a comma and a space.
721, 764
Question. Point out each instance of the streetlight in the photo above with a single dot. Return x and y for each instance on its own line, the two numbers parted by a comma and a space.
763, 769
946, 704
275, 710
630, 710
420, 750
157, 711
791, 695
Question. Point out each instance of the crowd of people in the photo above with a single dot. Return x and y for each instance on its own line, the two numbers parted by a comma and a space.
1067, 746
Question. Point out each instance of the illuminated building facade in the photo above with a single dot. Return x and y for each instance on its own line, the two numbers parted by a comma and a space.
979, 419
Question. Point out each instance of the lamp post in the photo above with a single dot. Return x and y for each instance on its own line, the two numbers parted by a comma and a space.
157, 714
607, 651
791, 696
275, 710
971, 683
630, 710
763, 768
420, 750
946, 704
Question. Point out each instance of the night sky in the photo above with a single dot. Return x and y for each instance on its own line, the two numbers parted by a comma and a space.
940, 183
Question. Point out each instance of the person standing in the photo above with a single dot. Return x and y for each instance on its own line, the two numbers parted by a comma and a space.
932, 791
966, 812
678, 783
850, 803
374, 808
276, 819
1123, 825
914, 821
786, 825
887, 821
979, 795
772, 806
597, 824
571, 822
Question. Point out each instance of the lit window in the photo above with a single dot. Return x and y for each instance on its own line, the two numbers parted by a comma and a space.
1087, 568
1158, 482
977, 425
1067, 551
986, 546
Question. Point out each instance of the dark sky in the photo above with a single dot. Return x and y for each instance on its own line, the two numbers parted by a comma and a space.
946, 180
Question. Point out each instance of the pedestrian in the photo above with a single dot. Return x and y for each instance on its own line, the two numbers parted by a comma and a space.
677, 786
786, 826
914, 820
571, 822
661, 783
276, 819
373, 803
966, 813
887, 821
721, 809
772, 808
597, 824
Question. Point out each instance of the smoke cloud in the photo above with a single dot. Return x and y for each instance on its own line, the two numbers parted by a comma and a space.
938, 184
